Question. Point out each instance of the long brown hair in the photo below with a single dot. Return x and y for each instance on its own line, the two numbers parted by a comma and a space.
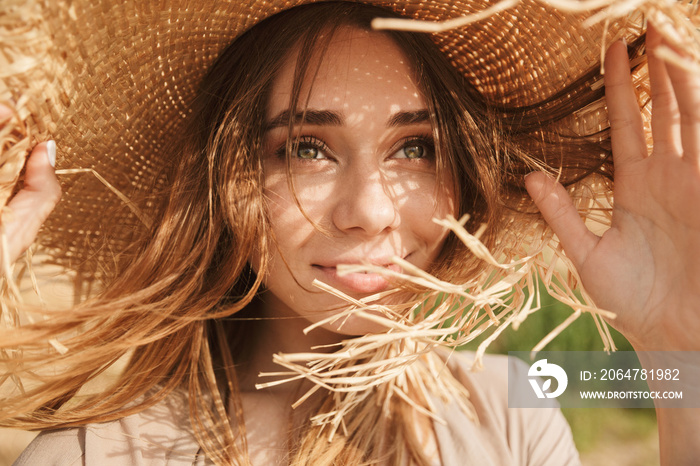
168, 306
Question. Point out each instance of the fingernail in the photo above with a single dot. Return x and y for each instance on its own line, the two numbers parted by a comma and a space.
51, 152
624, 40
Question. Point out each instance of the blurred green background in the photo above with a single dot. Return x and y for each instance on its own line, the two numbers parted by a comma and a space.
620, 437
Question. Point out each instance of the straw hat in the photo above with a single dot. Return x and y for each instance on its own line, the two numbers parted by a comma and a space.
110, 81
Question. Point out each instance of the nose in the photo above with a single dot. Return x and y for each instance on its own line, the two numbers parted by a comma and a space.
366, 203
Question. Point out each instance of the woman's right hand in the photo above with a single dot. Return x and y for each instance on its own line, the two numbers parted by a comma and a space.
34, 202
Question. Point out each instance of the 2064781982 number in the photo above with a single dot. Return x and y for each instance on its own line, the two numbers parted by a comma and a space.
639, 374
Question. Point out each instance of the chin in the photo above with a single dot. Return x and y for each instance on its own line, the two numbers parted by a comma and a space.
352, 325
355, 327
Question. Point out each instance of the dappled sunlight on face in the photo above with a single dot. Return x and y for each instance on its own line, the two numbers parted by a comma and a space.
364, 174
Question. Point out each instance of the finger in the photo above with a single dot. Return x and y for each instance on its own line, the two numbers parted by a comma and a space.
34, 202
561, 215
686, 86
626, 129
5, 112
665, 119
40, 174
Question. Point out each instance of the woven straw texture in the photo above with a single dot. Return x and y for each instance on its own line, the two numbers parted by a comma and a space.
110, 81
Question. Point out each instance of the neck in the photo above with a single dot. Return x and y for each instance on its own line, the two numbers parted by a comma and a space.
277, 329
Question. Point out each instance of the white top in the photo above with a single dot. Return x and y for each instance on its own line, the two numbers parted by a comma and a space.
161, 435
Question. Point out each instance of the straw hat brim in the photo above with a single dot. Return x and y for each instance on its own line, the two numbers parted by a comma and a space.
111, 82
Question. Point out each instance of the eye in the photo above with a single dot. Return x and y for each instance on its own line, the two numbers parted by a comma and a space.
414, 152
308, 152
310, 148
307, 148
415, 148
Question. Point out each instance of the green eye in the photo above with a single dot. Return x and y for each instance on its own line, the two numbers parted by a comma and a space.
414, 152
307, 152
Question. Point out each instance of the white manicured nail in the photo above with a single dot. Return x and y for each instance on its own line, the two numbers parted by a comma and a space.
51, 152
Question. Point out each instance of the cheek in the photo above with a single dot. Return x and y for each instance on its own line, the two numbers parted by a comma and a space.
423, 204
293, 229
286, 221
446, 206
282, 205
278, 200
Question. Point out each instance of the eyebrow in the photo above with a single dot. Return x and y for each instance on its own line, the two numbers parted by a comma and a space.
408, 118
329, 118
310, 117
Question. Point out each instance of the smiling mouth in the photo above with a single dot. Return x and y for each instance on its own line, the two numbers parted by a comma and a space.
356, 282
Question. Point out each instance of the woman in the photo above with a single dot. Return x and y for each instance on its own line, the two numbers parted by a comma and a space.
335, 144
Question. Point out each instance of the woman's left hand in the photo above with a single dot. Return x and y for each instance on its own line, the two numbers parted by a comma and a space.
32, 204
646, 267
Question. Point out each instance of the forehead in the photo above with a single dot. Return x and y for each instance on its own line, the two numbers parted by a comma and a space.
360, 70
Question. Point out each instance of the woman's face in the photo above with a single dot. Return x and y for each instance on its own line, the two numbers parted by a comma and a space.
363, 174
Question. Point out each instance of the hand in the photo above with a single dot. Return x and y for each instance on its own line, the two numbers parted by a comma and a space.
646, 268
30, 207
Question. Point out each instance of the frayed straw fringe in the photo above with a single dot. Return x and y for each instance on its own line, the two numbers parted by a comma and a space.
403, 360
21, 56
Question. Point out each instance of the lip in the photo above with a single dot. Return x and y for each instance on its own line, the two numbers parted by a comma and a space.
357, 282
